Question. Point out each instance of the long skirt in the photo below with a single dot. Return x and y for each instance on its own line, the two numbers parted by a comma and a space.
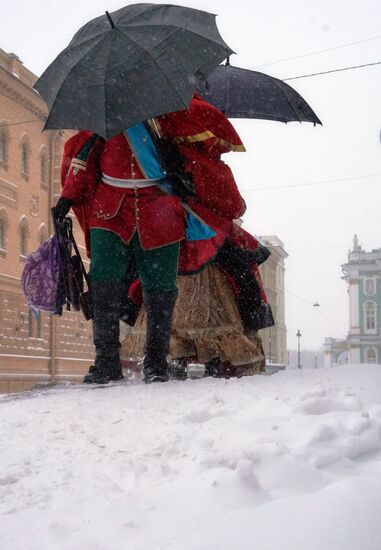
206, 325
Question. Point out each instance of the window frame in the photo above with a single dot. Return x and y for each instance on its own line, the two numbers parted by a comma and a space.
44, 168
25, 152
24, 234
370, 281
370, 317
368, 350
4, 223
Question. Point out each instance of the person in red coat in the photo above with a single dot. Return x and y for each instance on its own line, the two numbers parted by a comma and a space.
132, 222
201, 135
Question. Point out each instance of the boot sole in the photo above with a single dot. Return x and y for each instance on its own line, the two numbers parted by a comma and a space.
102, 381
157, 378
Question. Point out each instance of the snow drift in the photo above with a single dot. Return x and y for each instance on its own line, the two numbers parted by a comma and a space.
286, 462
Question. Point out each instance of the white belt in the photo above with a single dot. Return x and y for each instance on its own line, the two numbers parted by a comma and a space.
129, 183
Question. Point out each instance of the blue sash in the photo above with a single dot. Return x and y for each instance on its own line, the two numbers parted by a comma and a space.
145, 151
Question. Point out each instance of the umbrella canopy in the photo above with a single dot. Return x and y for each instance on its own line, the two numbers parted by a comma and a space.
138, 62
241, 93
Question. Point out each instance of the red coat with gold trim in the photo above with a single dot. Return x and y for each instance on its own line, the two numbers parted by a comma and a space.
203, 134
158, 218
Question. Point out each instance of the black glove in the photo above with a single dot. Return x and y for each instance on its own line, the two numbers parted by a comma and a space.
62, 208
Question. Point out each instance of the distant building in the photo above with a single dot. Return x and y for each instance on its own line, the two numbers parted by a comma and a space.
272, 272
362, 273
34, 347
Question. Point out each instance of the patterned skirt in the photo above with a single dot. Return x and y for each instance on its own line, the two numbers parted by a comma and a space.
206, 325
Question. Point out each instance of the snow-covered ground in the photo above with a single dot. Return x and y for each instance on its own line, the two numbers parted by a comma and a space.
287, 462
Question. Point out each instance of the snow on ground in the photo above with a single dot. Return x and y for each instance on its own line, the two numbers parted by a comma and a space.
287, 462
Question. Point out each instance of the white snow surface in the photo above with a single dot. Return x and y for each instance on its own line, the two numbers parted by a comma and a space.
284, 462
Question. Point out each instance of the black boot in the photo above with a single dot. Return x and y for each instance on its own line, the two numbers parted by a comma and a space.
159, 307
212, 367
218, 369
178, 369
106, 298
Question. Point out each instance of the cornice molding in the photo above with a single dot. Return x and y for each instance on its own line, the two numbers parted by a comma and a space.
12, 93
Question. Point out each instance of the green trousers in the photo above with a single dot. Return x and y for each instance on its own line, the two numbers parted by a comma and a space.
112, 260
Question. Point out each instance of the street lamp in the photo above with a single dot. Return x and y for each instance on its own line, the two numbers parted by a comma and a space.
298, 335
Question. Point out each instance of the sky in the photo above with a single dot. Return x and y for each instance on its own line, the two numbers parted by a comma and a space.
315, 222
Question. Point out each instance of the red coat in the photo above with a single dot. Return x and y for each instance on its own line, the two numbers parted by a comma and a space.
159, 218
202, 134
79, 180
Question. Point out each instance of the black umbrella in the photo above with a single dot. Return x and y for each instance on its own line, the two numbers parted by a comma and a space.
241, 93
141, 61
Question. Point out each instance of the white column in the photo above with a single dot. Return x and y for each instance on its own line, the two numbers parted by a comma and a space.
354, 355
354, 306
328, 344
327, 359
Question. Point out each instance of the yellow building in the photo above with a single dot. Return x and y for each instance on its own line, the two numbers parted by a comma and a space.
33, 347
272, 272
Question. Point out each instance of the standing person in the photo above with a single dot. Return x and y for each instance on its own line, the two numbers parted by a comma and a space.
130, 224
135, 219
222, 303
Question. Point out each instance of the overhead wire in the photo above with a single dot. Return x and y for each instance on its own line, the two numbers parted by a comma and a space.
317, 52
333, 71
317, 310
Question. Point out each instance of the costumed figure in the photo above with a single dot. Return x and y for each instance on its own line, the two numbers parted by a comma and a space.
221, 303
133, 222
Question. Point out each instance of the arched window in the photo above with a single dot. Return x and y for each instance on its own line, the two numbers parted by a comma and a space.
24, 157
371, 355
43, 168
370, 316
42, 233
24, 236
3, 229
4, 141
3, 234
23, 241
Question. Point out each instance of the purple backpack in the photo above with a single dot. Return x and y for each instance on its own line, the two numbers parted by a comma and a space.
41, 279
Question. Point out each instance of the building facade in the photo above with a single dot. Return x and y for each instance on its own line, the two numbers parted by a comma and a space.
362, 273
34, 347
272, 272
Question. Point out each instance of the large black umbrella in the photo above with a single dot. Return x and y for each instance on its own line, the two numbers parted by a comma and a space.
241, 93
138, 62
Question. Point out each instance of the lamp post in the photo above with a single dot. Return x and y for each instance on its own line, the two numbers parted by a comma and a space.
298, 335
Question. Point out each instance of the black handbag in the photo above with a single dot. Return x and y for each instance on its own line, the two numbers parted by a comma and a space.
74, 274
